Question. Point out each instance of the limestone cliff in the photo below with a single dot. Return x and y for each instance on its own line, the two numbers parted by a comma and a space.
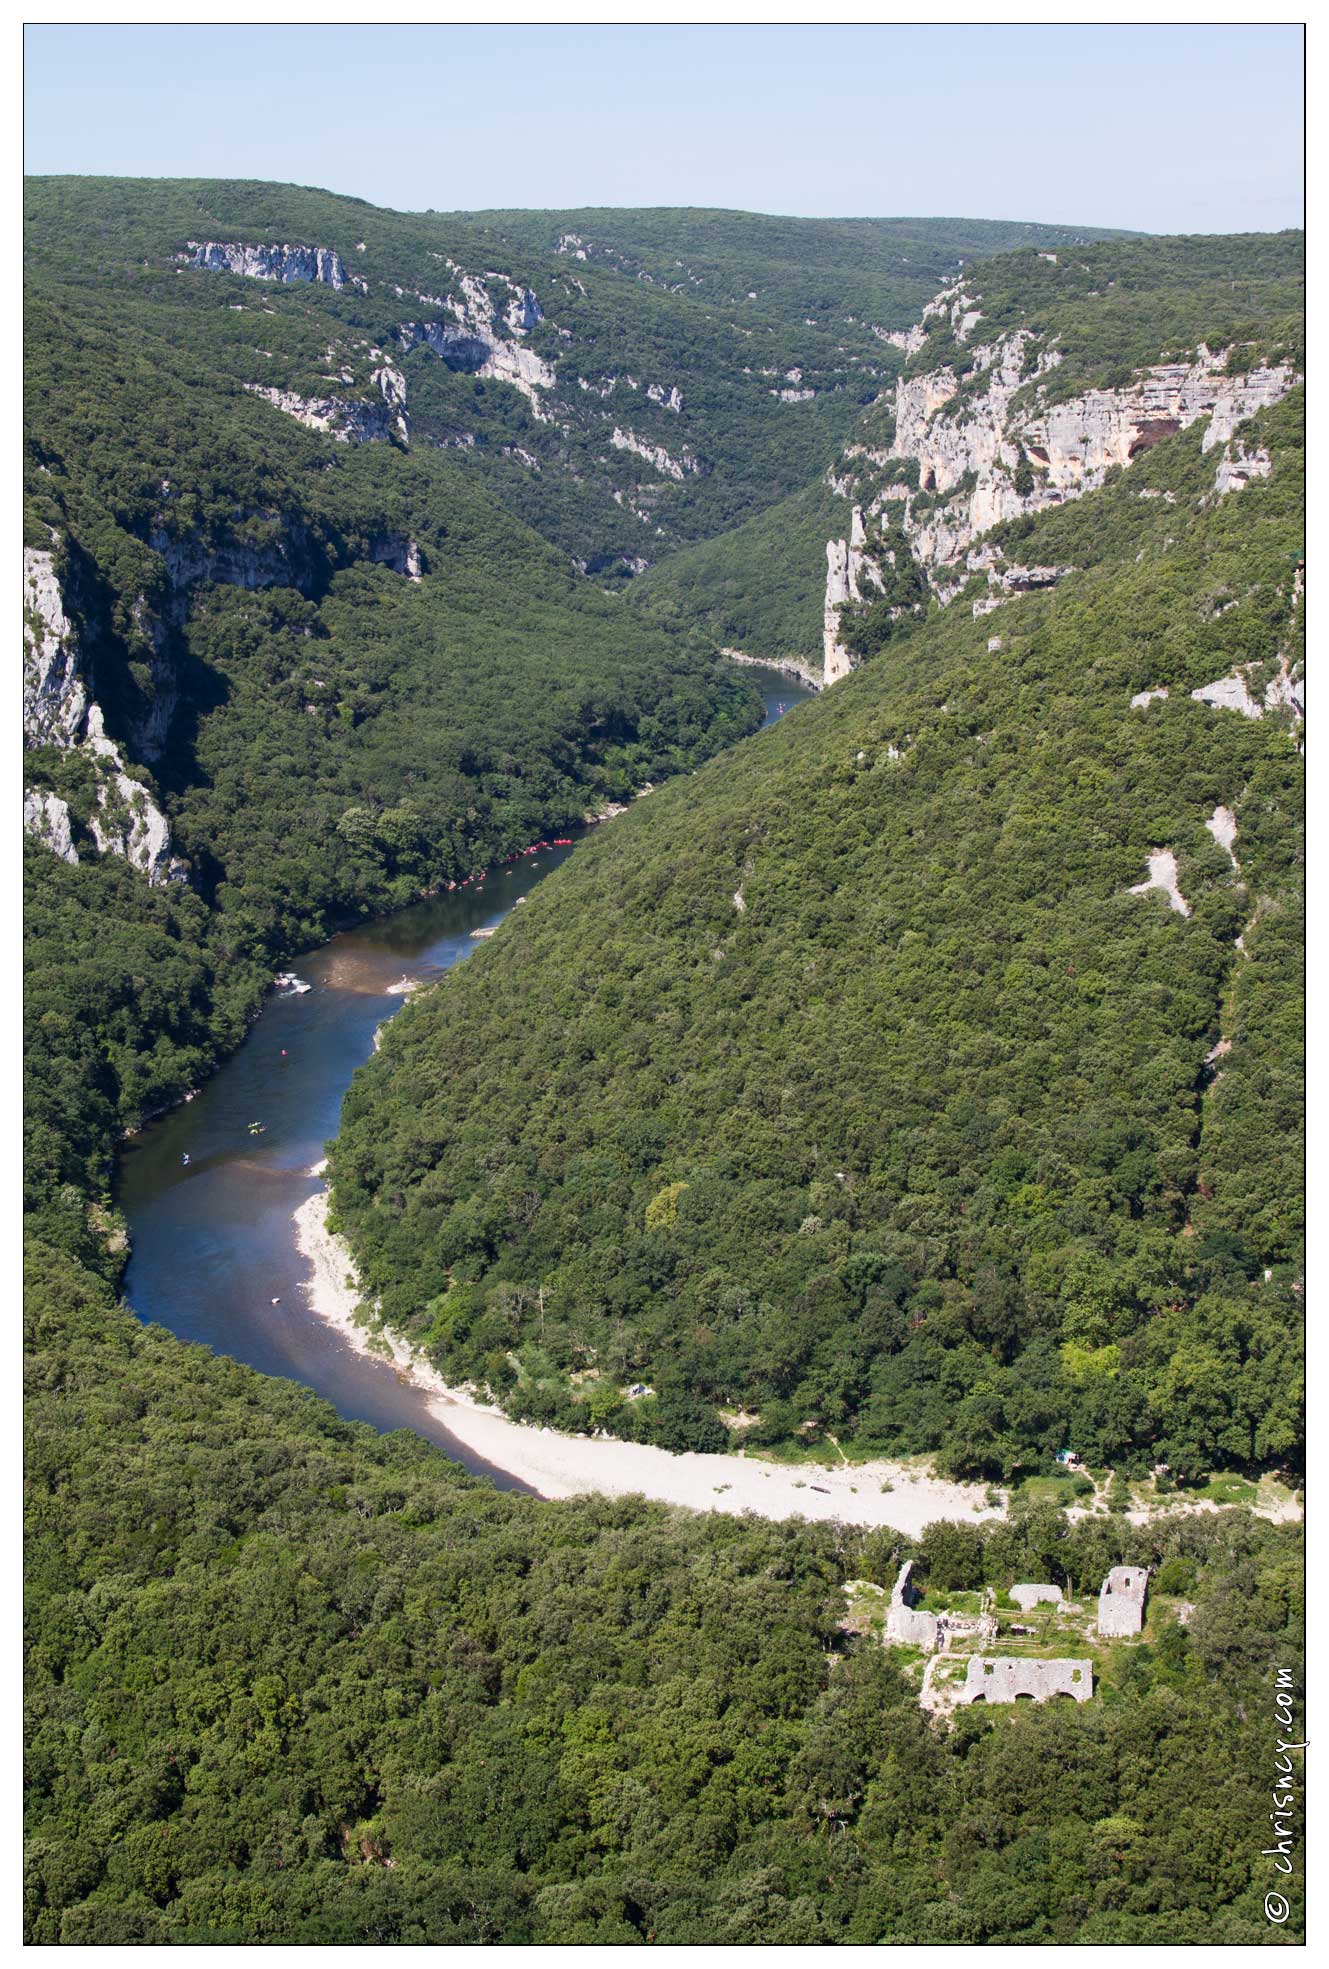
279, 563
480, 353
979, 441
490, 316
55, 695
280, 263
851, 576
60, 711
342, 418
47, 817
655, 454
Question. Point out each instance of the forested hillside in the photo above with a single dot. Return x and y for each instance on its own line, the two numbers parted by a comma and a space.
307, 627
292, 1682
922, 1075
925, 1074
726, 393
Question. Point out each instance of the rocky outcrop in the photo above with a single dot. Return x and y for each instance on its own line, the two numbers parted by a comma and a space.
1222, 824
281, 563
55, 693
523, 312
1249, 689
286, 264
852, 574
128, 822
862, 571
1237, 468
1283, 692
977, 443
655, 454
910, 340
991, 459
484, 337
480, 352
47, 817
401, 555
347, 421
1163, 875
391, 386
58, 709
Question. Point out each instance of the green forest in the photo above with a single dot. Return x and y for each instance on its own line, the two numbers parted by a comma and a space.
843, 1085
920, 1149
290, 1681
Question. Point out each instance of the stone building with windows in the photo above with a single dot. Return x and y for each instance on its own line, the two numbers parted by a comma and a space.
1121, 1602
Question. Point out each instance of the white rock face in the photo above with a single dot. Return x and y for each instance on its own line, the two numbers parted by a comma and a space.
523, 311
1283, 692
1237, 468
673, 401
836, 660
1222, 824
481, 352
47, 817
1069, 446
1230, 694
654, 454
55, 695
338, 417
58, 710
969, 444
851, 575
1163, 875
1142, 698
286, 264
391, 386
910, 340
129, 823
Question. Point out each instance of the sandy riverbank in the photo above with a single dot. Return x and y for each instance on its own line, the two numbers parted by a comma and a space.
788, 666
567, 1466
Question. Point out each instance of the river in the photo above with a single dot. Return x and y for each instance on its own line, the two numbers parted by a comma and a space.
214, 1256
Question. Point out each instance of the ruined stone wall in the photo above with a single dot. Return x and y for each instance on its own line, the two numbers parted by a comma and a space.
1027, 1596
1005, 1678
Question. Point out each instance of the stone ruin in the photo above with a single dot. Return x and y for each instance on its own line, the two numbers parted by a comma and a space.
1121, 1602
1011, 1678
908, 1623
1027, 1596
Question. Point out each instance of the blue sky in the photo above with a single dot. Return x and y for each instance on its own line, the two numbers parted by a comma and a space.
1165, 129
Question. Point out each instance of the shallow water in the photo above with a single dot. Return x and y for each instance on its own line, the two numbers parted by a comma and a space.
213, 1243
